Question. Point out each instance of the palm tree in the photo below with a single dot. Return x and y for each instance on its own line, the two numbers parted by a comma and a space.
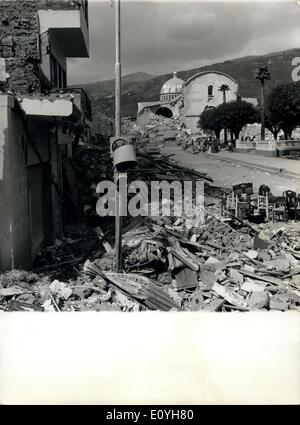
224, 88
262, 75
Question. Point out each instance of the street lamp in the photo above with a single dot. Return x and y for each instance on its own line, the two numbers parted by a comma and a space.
122, 148
118, 218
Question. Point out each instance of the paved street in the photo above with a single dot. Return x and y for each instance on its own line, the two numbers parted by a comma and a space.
226, 174
287, 165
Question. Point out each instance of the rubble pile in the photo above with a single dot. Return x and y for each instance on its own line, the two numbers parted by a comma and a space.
167, 131
216, 267
80, 242
172, 265
92, 164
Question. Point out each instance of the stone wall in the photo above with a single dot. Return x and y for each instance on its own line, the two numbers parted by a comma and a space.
20, 43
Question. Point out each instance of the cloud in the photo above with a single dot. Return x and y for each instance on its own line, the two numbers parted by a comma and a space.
161, 36
191, 26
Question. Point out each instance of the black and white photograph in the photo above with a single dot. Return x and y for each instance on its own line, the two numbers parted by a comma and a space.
150, 162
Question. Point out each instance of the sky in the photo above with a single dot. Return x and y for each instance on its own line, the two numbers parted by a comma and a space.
162, 36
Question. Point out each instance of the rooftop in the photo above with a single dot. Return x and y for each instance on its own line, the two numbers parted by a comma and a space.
174, 85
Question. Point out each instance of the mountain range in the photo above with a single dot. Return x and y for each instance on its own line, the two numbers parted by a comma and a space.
143, 87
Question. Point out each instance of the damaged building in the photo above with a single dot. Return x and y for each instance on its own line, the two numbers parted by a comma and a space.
40, 121
188, 99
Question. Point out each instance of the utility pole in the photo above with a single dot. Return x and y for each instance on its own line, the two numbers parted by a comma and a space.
118, 71
118, 199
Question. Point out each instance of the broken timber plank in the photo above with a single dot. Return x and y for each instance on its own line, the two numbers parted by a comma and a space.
10, 292
234, 307
293, 273
186, 279
268, 279
182, 256
296, 254
243, 223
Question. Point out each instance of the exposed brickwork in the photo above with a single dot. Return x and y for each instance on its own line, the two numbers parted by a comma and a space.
19, 41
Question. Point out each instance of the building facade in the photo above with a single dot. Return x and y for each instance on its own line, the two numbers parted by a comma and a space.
202, 91
40, 119
189, 99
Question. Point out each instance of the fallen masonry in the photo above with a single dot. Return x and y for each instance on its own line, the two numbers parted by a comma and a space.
170, 267
162, 131
169, 263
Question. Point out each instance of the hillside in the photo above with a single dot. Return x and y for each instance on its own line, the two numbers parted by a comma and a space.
106, 87
144, 87
102, 92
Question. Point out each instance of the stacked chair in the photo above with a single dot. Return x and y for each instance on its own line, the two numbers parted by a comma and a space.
243, 203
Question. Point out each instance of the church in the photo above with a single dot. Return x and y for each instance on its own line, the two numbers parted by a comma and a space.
188, 99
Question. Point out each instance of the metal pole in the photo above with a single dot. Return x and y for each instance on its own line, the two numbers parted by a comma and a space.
118, 72
118, 218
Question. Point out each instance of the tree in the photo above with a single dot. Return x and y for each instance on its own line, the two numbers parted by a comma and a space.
210, 120
272, 124
234, 115
283, 104
224, 88
262, 75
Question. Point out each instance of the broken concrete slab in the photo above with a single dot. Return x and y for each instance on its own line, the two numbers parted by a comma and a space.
229, 295
60, 289
252, 254
258, 300
213, 264
196, 301
279, 265
279, 302
264, 255
251, 286
236, 277
207, 279
248, 268
213, 305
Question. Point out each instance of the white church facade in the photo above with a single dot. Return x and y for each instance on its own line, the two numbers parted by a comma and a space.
189, 99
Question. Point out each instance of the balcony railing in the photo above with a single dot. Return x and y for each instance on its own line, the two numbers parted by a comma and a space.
81, 100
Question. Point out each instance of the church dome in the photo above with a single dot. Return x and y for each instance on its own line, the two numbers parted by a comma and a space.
172, 88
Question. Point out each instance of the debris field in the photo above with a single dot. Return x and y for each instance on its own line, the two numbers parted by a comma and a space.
169, 263
172, 265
